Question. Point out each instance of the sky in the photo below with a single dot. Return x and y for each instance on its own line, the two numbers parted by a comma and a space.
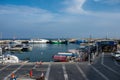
59, 18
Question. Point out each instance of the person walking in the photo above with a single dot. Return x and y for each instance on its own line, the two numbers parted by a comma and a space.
42, 76
31, 73
13, 77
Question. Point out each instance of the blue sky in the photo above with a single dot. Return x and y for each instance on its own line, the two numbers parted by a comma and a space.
59, 18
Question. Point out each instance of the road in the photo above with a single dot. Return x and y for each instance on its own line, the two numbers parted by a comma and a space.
103, 68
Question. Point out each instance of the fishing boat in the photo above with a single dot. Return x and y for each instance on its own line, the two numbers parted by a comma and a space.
60, 58
38, 41
59, 41
64, 56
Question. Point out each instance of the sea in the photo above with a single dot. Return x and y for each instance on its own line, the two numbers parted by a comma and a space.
43, 52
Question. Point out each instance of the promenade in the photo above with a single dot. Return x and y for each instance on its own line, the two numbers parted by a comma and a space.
103, 68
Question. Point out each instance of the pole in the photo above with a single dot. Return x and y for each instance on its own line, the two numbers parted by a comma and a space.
89, 55
97, 50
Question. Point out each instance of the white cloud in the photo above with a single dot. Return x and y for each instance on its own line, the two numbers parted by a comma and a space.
12, 9
26, 14
74, 6
110, 2
35, 19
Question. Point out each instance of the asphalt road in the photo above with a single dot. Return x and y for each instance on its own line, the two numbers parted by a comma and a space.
103, 68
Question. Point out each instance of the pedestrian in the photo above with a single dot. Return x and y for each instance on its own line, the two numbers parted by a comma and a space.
31, 73
42, 76
40, 62
13, 77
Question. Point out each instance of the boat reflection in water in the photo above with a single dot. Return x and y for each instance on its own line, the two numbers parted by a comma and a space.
39, 45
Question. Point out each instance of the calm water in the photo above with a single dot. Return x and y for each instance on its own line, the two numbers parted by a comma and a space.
44, 52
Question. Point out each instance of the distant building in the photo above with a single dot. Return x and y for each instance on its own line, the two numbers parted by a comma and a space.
106, 45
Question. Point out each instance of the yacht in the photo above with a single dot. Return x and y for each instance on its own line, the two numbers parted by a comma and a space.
38, 41
8, 58
13, 46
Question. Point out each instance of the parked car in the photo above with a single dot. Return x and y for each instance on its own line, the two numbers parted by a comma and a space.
117, 58
115, 54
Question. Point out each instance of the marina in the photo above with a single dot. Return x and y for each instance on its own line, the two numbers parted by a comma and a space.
59, 40
73, 61
36, 51
45, 51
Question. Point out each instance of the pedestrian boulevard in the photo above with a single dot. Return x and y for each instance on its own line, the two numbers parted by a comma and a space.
108, 69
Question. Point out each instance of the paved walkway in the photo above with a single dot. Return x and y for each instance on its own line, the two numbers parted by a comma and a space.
104, 68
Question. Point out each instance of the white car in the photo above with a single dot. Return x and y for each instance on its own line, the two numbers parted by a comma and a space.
115, 54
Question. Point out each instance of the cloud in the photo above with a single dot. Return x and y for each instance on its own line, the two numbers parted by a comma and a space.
110, 2
26, 13
74, 6
41, 21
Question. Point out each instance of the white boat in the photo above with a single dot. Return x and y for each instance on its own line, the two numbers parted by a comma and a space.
73, 50
18, 47
66, 53
8, 58
38, 41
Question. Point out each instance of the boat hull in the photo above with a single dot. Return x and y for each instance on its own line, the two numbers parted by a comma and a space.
59, 58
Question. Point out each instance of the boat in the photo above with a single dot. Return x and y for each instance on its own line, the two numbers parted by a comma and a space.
66, 54
73, 51
8, 58
81, 41
59, 58
27, 48
19, 47
38, 41
15, 48
58, 41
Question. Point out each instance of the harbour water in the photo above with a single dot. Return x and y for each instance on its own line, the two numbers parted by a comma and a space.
43, 52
